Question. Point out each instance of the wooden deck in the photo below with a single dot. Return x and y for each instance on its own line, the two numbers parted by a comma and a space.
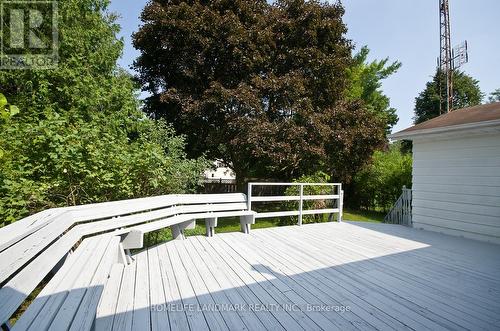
329, 276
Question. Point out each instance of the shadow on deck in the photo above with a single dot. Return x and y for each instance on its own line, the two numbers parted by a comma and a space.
328, 276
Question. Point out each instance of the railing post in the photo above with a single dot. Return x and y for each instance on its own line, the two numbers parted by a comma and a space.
341, 202
249, 196
301, 203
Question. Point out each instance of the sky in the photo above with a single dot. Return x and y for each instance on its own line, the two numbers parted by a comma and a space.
402, 30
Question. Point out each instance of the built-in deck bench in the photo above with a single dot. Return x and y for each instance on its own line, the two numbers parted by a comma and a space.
75, 254
178, 223
38, 245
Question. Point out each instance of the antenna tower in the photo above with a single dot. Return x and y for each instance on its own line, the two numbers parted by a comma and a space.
449, 59
445, 61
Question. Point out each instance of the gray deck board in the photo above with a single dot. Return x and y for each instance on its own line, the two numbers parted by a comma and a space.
410, 313
231, 318
391, 277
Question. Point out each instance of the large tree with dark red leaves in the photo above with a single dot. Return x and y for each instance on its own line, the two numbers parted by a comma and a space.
259, 85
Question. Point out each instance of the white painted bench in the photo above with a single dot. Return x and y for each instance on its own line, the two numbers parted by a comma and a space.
33, 247
135, 237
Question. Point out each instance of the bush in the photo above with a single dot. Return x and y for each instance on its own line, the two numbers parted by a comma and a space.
319, 177
379, 184
65, 159
80, 135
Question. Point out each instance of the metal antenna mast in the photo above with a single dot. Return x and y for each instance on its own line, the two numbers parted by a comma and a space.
445, 57
449, 59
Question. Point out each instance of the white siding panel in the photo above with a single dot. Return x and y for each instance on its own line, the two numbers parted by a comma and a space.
464, 226
458, 162
479, 171
491, 191
458, 233
459, 152
456, 186
460, 198
459, 180
467, 208
426, 212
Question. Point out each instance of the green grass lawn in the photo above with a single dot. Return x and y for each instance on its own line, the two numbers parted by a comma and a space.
364, 215
232, 224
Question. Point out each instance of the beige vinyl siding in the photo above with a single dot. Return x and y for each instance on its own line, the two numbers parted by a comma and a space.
456, 186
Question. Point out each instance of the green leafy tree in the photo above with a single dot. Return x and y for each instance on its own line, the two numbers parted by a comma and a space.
466, 93
365, 82
80, 136
379, 184
260, 85
494, 96
7, 110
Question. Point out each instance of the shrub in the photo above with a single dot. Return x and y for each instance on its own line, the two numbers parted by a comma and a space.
65, 159
379, 184
318, 177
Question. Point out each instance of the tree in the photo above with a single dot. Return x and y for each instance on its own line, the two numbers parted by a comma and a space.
379, 184
494, 96
80, 136
466, 93
259, 85
365, 84
7, 110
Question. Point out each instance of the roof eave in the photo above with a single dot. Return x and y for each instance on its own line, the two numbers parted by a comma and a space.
410, 135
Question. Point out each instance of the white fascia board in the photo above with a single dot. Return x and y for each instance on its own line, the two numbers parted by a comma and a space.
443, 130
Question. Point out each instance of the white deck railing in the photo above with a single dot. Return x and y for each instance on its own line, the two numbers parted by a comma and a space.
400, 213
337, 196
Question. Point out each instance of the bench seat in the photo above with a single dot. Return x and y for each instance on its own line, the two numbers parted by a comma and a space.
135, 235
70, 299
33, 247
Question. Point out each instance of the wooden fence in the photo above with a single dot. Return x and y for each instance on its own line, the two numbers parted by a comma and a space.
211, 186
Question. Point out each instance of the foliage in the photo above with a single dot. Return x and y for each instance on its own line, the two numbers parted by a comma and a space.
259, 85
81, 136
7, 110
494, 96
466, 93
318, 177
379, 184
63, 160
365, 84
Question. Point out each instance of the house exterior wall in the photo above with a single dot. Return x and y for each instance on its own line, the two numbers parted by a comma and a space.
219, 172
456, 186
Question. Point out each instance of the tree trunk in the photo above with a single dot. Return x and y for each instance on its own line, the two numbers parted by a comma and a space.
241, 182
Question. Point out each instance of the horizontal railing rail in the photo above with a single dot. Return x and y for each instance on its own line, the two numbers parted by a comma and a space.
337, 195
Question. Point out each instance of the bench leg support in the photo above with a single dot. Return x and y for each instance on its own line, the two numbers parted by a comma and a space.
245, 223
210, 224
178, 229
